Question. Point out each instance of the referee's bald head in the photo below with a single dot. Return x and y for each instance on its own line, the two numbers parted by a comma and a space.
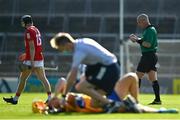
143, 17
143, 21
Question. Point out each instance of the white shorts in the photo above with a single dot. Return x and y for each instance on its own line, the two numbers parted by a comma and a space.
36, 63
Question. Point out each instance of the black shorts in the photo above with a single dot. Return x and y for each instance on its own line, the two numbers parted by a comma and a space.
148, 62
102, 76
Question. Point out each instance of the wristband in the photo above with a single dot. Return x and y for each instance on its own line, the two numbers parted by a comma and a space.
140, 41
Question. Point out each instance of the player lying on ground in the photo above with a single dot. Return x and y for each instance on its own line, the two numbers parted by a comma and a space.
82, 103
128, 84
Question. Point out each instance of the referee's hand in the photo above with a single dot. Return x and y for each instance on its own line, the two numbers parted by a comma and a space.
133, 38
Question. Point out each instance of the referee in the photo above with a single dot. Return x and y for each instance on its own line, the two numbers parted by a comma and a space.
148, 44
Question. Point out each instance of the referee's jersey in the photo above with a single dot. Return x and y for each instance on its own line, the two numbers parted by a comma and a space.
150, 35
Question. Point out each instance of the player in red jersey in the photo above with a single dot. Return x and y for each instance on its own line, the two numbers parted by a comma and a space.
33, 59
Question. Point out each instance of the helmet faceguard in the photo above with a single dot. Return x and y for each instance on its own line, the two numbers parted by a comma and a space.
26, 19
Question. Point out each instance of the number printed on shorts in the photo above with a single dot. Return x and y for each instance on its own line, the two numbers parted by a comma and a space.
101, 73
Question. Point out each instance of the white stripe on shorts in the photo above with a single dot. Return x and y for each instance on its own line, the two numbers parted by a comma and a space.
36, 63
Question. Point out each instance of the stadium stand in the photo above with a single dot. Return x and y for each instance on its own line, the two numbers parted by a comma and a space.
98, 19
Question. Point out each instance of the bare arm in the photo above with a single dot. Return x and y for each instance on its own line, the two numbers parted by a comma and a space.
134, 38
71, 77
146, 44
32, 52
60, 86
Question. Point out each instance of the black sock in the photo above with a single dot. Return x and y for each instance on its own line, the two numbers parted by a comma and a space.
139, 83
155, 86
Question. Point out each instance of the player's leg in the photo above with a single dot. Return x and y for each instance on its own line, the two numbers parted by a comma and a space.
22, 83
98, 96
40, 73
128, 84
23, 79
141, 68
89, 89
152, 75
103, 78
140, 76
147, 109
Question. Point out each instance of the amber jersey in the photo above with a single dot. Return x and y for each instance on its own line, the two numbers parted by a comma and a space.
33, 34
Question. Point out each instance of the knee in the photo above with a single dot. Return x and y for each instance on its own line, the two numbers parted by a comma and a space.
139, 75
132, 77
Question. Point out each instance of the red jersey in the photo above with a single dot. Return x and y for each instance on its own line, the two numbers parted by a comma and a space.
33, 34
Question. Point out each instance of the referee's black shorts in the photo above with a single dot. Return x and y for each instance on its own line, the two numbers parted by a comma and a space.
148, 62
103, 76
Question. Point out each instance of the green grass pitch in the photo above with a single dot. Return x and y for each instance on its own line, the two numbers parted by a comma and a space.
23, 110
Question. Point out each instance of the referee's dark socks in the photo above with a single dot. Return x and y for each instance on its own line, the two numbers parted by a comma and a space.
139, 83
155, 86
